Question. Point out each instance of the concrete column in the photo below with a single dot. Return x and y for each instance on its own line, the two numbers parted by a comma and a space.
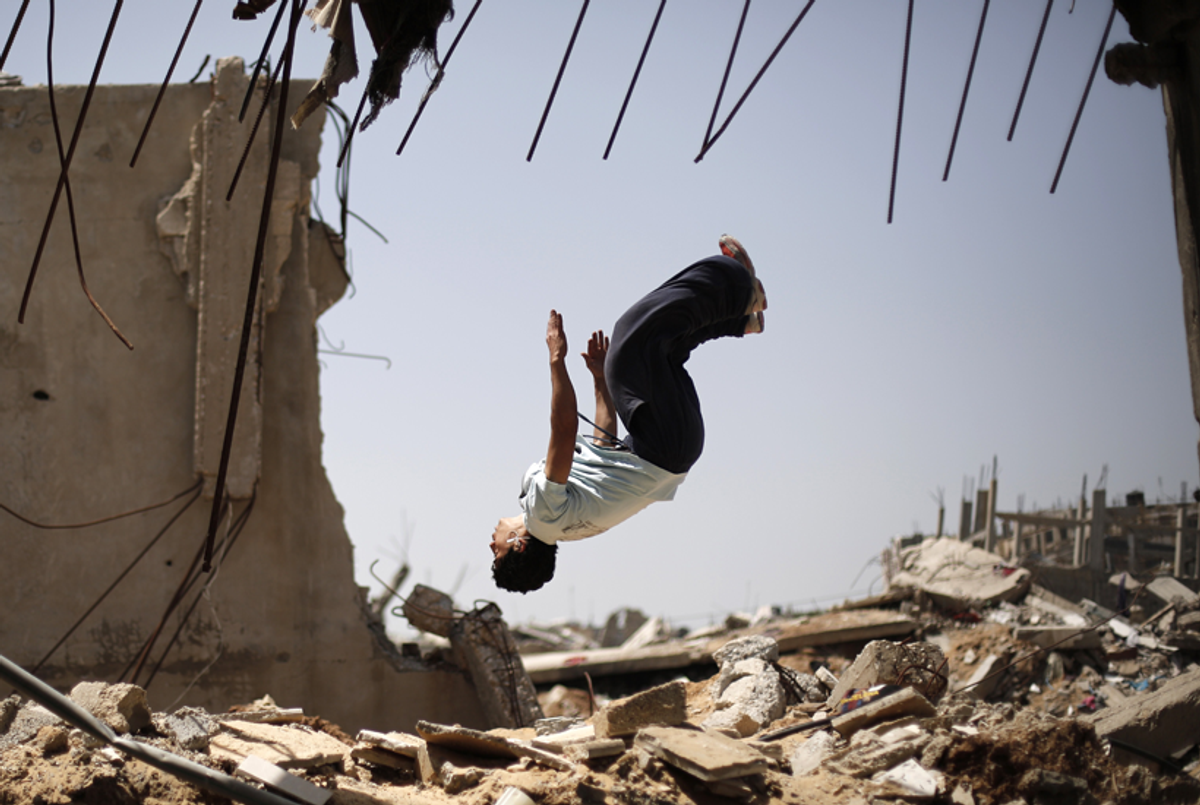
1018, 535
989, 542
1099, 528
981, 507
964, 520
1180, 520
1077, 555
941, 520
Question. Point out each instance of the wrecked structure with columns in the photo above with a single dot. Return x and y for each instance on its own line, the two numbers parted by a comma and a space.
95, 429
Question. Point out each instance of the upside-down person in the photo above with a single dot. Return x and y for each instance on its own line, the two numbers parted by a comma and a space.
587, 485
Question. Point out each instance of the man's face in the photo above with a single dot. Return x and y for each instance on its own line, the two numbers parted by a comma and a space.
510, 535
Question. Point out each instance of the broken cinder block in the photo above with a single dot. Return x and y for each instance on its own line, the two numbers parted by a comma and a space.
882, 662
122, 706
662, 705
429, 610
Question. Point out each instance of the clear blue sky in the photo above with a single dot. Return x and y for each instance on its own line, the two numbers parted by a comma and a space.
991, 318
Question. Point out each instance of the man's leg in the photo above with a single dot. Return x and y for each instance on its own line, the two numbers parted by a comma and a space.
652, 391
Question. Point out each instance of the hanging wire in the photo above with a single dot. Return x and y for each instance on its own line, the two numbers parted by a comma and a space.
66, 161
966, 88
108, 519
762, 71
554, 90
900, 112
121, 576
437, 81
737, 38
187, 31
70, 196
255, 275
1037, 46
1086, 90
637, 71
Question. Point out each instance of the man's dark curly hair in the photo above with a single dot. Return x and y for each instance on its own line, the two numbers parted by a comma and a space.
527, 570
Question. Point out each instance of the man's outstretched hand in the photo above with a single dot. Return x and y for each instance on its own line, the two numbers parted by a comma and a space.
597, 351
556, 339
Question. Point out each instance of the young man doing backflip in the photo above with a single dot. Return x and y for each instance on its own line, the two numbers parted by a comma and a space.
587, 485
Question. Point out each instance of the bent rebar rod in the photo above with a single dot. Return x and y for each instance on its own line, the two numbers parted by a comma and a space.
184, 769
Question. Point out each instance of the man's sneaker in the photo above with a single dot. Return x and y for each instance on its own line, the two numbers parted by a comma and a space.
730, 247
755, 323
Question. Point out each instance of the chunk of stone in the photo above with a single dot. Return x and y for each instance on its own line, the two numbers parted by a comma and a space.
190, 727
286, 747
704, 755
556, 724
982, 684
874, 755
270, 775
429, 610
906, 702
122, 706
888, 663
744, 648
662, 705
51, 739
438, 765
750, 702
812, 753
8, 711
827, 678
382, 757
915, 780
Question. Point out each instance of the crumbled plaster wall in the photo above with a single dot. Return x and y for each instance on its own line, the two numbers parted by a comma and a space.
92, 429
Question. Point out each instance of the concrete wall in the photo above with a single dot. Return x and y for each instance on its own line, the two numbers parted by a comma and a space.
90, 429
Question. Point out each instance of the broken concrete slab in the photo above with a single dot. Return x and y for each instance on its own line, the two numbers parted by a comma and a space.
122, 706
429, 610
844, 627
592, 750
443, 766
30, 718
383, 757
1170, 590
982, 683
906, 702
758, 647
399, 742
809, 755
290, 747
705, 755
873, 756
476, 743
914, 779
957, 575
883, 662
1162, 722
1063, 638
662, 705
270, 775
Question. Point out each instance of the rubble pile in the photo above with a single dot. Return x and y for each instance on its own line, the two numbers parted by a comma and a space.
1016, 696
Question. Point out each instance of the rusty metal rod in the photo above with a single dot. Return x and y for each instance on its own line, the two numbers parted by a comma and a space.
437, 80
1037, 45
637, 71
262, 59
900, 112
1086, 90
737, 38
558, 78
761, 72
237, 174
966, 89
12, 34
187, 31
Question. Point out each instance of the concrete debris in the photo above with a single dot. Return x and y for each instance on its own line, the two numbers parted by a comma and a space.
956, 574
885, 663
705, 755
662, 705
122, 707
270, 775
979, 711
291, 747
429, 610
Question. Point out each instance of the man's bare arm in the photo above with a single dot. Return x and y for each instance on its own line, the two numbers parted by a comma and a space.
606, 414
563, 405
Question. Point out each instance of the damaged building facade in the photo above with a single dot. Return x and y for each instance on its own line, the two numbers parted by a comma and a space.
93, 429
